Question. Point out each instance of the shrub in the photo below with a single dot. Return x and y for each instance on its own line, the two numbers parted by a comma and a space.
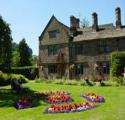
82, 83
61, 82
21, 78
31, 72
71, 82
118, 80
117, 64
111, 83
5, 78
37, 80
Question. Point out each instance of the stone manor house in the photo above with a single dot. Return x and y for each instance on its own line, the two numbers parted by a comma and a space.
73, 51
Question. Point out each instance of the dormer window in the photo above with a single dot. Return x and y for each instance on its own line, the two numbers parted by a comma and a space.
53, 33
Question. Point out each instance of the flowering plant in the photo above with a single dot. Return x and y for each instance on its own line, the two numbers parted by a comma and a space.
92, 97
72, 107
23, 103
58, 97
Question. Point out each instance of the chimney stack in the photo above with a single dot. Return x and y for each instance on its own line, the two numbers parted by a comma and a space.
118, 17
74, 22
95, 22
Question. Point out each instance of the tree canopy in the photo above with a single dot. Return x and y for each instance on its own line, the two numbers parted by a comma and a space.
25, 53
5, 44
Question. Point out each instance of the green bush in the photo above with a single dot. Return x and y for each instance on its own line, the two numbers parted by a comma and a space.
61, 82
82, 83
117, 64
5, 78
21, 78
71, 82
118, 80
38, 80
111, 83
31, 72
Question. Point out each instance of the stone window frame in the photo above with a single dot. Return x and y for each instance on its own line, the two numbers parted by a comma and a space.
53, 50
79, 49
103, 46
53, 33
52, 68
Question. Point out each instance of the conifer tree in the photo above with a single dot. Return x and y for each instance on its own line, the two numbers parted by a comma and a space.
25, 53
5, 44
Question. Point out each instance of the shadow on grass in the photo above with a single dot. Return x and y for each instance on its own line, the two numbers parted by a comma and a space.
8, 97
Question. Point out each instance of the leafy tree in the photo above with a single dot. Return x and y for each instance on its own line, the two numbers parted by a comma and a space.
25, 53
15, 46
5, 44
15, 54
34, 60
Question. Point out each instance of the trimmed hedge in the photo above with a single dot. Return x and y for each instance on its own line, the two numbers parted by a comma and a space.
5, 78
117, 64
30, 72
117, 67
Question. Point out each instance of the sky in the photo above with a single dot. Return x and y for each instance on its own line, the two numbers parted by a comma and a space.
28, 18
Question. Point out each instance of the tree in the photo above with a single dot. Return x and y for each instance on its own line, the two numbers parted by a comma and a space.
84, 23
34, 60
25, 53
15, 46
15, 54
5, 44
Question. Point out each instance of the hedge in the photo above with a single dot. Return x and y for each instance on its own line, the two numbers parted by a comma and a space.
31, 72
117, 64
5, 78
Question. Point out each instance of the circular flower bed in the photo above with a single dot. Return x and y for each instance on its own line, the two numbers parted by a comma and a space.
74, 107
58, 98
92, 97
23, 103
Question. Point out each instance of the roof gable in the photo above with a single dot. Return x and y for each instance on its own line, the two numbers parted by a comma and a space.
48, 24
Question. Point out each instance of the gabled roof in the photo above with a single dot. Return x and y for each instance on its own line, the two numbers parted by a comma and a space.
50, 21
105, 31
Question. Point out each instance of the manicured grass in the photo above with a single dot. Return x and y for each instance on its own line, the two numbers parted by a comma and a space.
112, 109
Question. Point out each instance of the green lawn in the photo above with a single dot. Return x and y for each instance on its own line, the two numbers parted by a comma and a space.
112, 109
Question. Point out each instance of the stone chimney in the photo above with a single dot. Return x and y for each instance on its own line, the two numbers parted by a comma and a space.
95, 22
74, 22
118, 17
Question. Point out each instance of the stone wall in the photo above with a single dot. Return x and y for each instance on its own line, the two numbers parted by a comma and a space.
91, 54
61, 36
45, 58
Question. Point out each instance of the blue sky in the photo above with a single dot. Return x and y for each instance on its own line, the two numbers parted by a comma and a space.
28, 18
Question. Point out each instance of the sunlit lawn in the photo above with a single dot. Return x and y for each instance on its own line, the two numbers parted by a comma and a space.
112, 109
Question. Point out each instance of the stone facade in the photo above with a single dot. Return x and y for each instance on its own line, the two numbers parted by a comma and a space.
73, 51
53, 40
